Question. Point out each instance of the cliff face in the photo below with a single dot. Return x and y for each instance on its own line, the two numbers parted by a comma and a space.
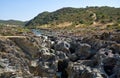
96, 56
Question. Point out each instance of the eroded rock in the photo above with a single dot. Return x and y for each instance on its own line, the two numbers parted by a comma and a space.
83, 51
62, 57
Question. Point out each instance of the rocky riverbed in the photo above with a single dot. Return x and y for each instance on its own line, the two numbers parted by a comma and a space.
95, 56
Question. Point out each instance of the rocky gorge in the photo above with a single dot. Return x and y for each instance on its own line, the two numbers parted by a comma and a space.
43, 56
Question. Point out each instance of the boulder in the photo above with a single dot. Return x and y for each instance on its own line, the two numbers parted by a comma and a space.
115, 48
61, 55
46, 55
105, 36
83, 51
62, 46
108, 62
81, 71
73, 57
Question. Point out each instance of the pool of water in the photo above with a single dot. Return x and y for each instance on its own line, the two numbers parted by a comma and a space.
37, 32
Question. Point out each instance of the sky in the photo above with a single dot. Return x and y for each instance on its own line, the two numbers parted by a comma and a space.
25, 10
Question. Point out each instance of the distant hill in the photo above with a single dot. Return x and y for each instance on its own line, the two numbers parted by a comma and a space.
12, 22
87, 16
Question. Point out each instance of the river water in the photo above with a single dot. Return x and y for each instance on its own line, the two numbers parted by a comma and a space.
39, 32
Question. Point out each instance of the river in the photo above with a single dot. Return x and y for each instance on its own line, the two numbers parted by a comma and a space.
39, 32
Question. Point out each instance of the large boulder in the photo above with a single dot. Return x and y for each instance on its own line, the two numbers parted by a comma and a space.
46, 55
73, 57
105, 36
108, 62
77, 70
115, 48
62, 46
60, 55
115, 37
97, 44
13, 60
83, 51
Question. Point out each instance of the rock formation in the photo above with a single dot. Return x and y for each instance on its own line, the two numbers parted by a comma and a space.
96, 56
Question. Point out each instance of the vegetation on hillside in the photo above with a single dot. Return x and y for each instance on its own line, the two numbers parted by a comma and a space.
86, 16
13, 31
12, 22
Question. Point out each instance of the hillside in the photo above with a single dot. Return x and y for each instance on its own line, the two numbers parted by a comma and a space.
76, 16
81, 43
12, 22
